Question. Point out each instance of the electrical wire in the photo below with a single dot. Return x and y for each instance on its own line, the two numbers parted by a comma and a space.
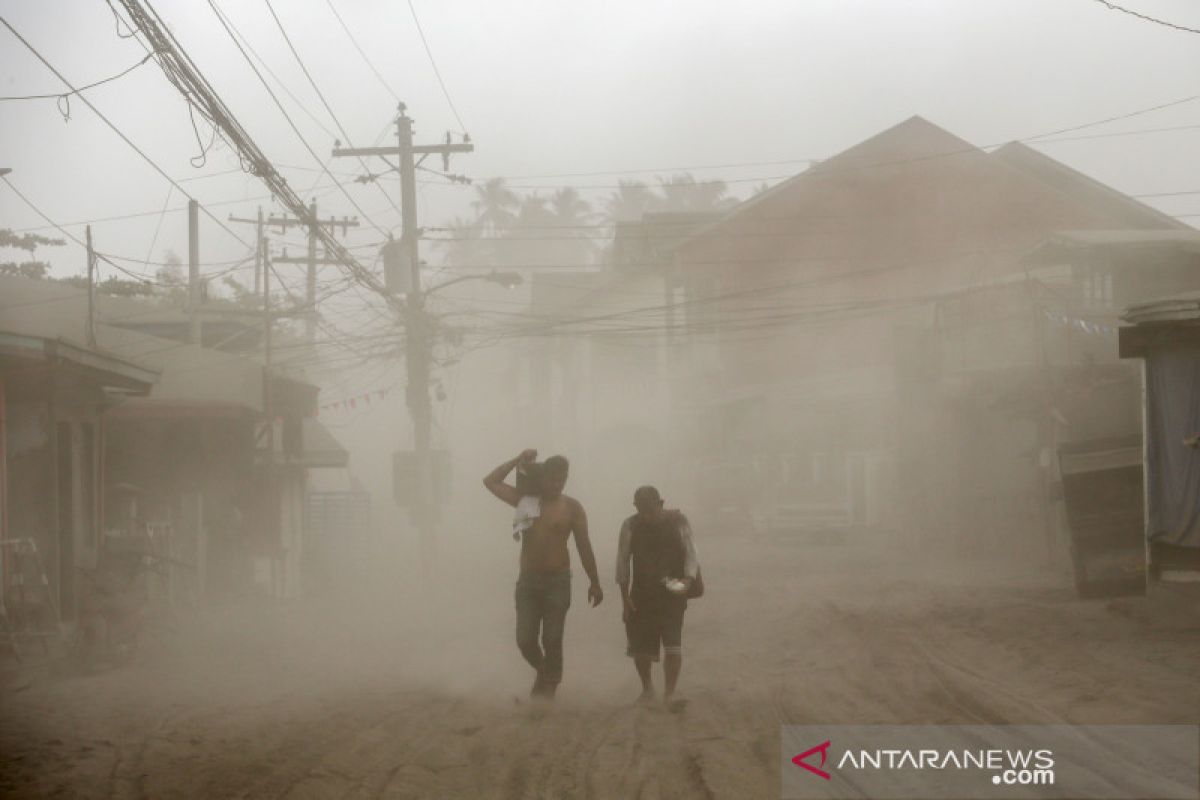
182, 72
1146, 17
117, 130
366, 60
445, 93
75, 239
229, 28
121, 74
337, 123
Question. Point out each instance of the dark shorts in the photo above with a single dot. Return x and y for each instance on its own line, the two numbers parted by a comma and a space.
654, 624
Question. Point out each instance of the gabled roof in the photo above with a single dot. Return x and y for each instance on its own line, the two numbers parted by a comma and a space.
914, 139
1126, 211
1018, 166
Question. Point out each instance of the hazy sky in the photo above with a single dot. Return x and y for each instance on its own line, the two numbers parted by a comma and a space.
547, 88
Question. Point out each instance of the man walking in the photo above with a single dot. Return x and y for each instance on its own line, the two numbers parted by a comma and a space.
658, 545
543, 592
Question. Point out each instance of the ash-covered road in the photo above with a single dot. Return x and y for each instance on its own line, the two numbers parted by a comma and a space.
422, 695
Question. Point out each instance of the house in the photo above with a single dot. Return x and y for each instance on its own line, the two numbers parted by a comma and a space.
53, 394
1165, 335
208, 470
600, 354
818, 313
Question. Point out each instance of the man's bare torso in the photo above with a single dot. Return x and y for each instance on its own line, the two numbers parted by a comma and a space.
544, 547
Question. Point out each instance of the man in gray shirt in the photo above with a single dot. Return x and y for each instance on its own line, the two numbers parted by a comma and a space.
655, 550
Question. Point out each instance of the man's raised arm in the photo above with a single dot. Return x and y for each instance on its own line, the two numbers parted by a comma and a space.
494, 481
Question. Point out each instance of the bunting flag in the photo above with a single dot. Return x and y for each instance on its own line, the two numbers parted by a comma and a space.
352, 403
1087, 326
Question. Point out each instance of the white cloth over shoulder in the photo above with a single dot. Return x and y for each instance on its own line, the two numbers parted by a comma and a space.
529, 508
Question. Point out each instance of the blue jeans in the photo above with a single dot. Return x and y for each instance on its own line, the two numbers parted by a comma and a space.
542, 602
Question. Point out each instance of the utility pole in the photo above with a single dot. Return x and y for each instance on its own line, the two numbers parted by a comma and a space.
91, 279
268, 412
258, 248
418, 328
284, 223
310, 283
194, 272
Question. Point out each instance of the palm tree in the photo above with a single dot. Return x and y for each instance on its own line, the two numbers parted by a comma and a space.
629, 202
494, 204
685, 193
571, 214
569, 209
465, 245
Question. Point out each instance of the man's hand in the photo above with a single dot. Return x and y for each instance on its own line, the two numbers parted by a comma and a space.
527, 456
595, 594
628, 610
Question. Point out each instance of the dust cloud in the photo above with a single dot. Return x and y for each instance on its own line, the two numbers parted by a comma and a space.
874, 318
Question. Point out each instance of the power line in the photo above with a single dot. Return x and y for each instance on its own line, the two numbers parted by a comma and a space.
117, 130
107, 258
229, 28
121, 74
354, 42
1117, 118
321, 95
436, 71
72, 237
182, 72
1146, 17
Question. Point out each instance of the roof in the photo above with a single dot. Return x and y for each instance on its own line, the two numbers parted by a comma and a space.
916, 138
1084, 189
1016, 169
1061, 246
187, 373
106, 370
1178, 308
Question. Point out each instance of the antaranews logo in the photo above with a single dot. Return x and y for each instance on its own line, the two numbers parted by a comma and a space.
989, 762
1016, 767
823, 749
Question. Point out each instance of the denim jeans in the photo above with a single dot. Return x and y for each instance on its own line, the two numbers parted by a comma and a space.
542, 602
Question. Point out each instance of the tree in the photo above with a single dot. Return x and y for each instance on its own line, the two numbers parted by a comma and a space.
465, 244
629, 202
29, 242
685, 193
494, 203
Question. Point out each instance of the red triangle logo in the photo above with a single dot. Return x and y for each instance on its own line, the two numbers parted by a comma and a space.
823, 749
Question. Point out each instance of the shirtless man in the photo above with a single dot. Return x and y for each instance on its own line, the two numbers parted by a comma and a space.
544, 586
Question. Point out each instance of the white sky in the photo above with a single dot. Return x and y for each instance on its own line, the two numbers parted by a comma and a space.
566, 87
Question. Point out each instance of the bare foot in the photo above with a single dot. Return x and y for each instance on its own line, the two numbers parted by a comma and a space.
675, 704
646, 698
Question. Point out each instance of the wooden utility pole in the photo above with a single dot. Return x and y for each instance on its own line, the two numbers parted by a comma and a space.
284, 223
91, 279
194, 272
418, 330
268, 412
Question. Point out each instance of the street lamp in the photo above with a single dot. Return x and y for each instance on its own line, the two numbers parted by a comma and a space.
509, 280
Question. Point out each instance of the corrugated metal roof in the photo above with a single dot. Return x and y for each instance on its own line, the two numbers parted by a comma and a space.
1178, 308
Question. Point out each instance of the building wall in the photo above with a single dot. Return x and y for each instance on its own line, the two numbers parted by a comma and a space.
814, 282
